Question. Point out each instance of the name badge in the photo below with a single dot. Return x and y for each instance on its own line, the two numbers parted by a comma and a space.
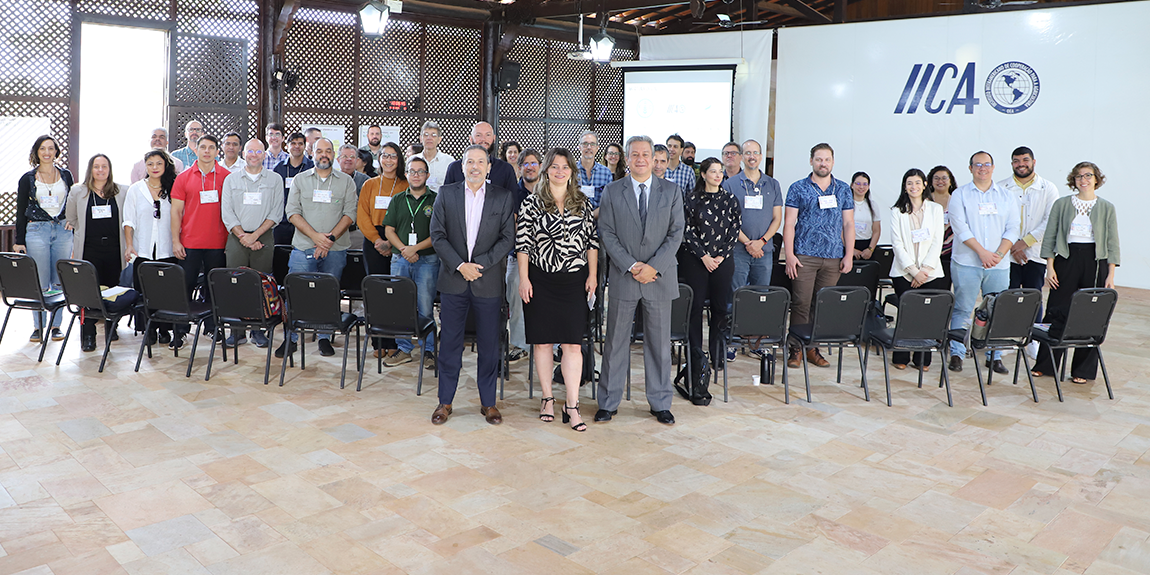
288, 181
753, 203
1082, 229
252, 198
860, 227
412, 239
988, 209
210, 197
101, 212
946, 218
828, 202
382, 202
920, 235
50, 203
433, 182
588, 191
321, 196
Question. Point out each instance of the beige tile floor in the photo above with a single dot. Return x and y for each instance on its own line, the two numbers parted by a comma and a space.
153, 473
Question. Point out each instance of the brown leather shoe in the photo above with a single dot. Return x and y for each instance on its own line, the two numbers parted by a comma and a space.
492, 415
816, 358
441, 413
794, 360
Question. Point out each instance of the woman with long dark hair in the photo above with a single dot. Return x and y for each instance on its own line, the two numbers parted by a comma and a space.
364, 163
95, 212
867, 220
148, 224
615, 160
1081, 250
40, 230
713, 220
374, 200
557, 249
940, 184
509, 152
916, 232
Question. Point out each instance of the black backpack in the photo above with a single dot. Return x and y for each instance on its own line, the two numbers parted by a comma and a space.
589, 373
700, 378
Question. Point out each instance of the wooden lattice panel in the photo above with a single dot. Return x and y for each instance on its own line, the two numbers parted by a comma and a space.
212, 71
145, 9
609, 88
389, 69
408, 127
225, 19
528, 133
456, 134
35, 58
294, 120
529, 100
452, 71
562, 135
320, 50
215, 123
570, 84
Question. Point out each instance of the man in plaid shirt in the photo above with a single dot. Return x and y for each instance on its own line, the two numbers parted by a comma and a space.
677, 171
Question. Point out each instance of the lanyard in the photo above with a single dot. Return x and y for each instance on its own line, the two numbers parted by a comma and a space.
417, 208
754, 187
394, 181
204, 179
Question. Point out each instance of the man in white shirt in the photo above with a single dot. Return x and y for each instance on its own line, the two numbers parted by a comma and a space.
437, 161
232, 160
159, 142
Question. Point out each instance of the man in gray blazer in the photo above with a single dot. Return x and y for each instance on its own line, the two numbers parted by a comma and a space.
640, 227
472, 229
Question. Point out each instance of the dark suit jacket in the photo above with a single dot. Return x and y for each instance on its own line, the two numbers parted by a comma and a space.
496, 237
627, 241
501, 174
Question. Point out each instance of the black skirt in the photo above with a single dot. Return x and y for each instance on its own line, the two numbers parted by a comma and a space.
558, 309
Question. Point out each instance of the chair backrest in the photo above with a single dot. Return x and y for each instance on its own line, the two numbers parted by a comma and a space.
864, 273
80, 283
924, 314
760, 311
390, 302
19, 278
1014, 314
236, 293
839, 313
351, 280
884, 256
281, 257
1089, 315
162, 287
680, 315
312, 297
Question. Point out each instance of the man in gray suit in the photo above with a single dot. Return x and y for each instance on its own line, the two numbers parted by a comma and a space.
640, 227
472, 229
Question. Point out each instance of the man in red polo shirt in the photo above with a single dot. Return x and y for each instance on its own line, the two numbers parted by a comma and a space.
198, 233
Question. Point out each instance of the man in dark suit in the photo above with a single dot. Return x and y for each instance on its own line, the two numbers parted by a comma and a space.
640, 227
472, 229
501, 174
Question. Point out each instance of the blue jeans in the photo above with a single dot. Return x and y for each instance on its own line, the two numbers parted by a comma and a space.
751, 271
425, 273
969, 283
305, 261
47, 243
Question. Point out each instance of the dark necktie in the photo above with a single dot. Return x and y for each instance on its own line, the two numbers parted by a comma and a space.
643, 204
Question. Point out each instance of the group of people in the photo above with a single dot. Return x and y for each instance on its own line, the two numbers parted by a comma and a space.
531, 230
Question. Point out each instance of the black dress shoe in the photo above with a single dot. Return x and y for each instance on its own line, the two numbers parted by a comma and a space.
164, 337
955, 363
664, 417
997, 366
604, 415
325, 348
289, 345
88, 343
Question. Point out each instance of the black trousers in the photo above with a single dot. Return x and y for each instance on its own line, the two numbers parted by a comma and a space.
705, 285
283, 233
197, 261
106, 259
1028, 275
946, 284
902, 286
377, 263
1078, 271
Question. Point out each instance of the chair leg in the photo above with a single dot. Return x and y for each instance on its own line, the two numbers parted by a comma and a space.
47, 330
1029, 376
379, 357
807, 373
359, 378
839, 377
212, 355
946, 378
419, 381
283, 365
786, 384
862, 368
67, 335
629, 372
1105, 376
4, 328
346, 347
302, 355
886, 374
140, 357
920, 370
1054, 368
1062, 371
978, 372
107, 344
531, 372
271, 346
192, 354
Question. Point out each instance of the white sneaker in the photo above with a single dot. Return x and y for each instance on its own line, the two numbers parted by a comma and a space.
1032, 350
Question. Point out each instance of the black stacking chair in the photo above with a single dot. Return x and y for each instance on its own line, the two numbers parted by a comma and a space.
680, 326
82, 293
864, 273
759, 313
1009, 327
238, 302
1086, 325
351, 280
838, 320
923, 322
313, 305
281, 257
884, 256
165, 300
20, 284
391, 309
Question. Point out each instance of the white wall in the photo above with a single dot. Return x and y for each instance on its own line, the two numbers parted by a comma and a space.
841, 84
752, 81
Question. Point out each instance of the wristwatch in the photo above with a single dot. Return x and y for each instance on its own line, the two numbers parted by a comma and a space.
331, 237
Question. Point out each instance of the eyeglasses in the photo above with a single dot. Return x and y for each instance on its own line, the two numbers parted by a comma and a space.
254, 152
1084, 177
589, 144
388, 156
430, 134
530, 164
417, 172
156, 213
730, 154
752, 153
979, 166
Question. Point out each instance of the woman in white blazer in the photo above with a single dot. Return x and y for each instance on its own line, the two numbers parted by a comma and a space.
916, 235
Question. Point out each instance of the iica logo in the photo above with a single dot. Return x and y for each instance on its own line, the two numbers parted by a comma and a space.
1012, 87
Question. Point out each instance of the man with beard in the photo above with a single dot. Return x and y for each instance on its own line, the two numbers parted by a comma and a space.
322, 206
296, 164
677, 171
159, 142
688, 157
374, 144
187, 154
818, 237
501, 173
529, 163
1036, 195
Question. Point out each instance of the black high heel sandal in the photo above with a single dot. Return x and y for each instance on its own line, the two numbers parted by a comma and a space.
581, 426
547, 417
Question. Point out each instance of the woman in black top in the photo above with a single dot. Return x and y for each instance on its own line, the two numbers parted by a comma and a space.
96, 213
40, 232
557, 249
713, 220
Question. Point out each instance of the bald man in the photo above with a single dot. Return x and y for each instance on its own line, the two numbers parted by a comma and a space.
187, 155
501, 173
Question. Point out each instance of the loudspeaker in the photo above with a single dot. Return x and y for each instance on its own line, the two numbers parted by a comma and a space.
508, 76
